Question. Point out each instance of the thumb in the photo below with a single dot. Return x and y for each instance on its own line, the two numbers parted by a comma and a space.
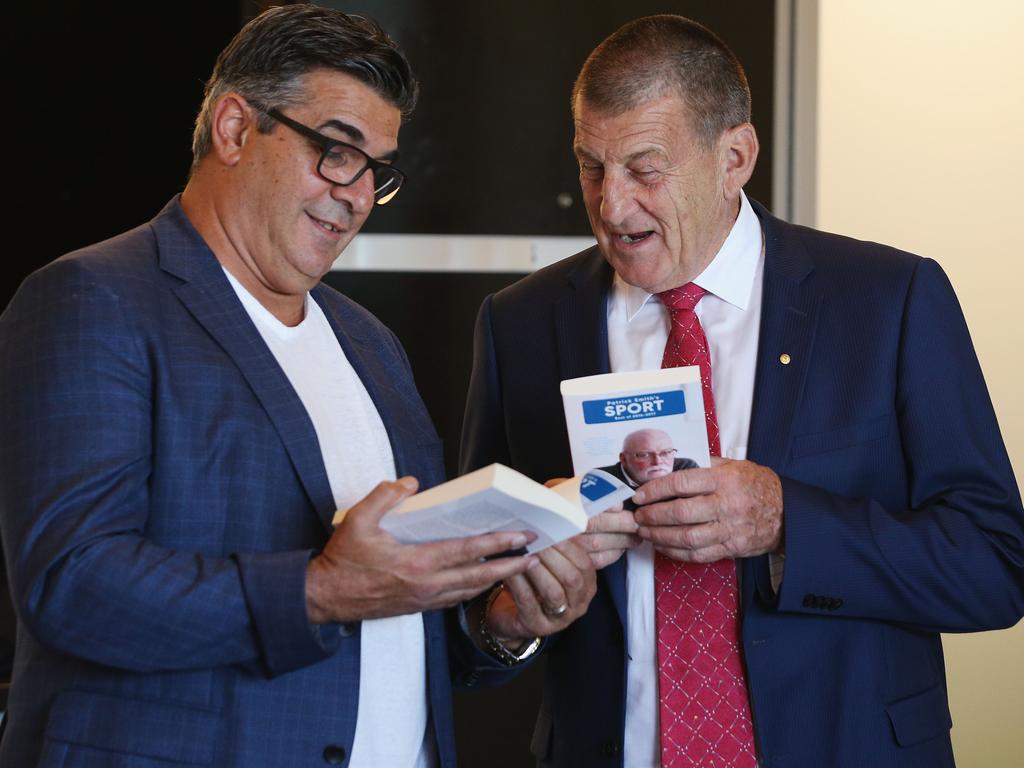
385, 496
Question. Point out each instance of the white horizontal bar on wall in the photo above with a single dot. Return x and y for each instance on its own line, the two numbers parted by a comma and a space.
456, 253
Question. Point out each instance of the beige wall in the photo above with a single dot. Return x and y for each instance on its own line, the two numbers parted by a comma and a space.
921, 145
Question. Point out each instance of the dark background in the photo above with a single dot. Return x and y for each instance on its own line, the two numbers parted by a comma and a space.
98, 137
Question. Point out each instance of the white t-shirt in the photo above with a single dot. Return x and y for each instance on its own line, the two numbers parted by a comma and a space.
391, 728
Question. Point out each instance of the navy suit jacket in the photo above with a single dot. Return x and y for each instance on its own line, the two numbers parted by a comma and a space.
902, 515
161, 492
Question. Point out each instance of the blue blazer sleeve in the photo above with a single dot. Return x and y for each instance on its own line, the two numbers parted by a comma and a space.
939, 545
77, 493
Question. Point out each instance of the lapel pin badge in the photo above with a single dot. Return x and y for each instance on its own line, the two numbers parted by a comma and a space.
784, 358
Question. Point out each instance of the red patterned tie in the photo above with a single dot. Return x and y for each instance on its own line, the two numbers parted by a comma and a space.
705, 714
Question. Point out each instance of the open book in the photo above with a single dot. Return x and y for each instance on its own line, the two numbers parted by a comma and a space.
636, 425
497, 498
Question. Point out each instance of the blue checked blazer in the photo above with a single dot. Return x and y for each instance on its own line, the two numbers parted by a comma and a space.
161, 492
902, 514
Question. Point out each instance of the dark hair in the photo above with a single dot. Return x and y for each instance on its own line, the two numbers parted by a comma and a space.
650, 56
268, 59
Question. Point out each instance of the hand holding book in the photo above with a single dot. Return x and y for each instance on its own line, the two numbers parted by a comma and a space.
497, 498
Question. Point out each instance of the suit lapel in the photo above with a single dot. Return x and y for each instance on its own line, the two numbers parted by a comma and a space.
582, 342
789, 318
581, 330
209, 297
380, 374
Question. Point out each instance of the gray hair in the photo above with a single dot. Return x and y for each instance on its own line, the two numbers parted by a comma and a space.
656, 55
267, 61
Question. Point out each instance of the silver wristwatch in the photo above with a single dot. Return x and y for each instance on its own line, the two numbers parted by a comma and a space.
494, 646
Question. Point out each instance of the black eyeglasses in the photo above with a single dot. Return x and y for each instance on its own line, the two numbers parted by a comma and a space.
343, 164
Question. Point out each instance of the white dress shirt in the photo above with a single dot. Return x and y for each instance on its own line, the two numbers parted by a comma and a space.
638, 326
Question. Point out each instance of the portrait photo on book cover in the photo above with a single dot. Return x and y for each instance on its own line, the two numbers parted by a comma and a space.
647, 454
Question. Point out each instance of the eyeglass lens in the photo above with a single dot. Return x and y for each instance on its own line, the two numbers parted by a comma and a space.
344, 164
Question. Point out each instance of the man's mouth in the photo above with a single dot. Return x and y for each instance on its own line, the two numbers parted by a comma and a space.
634, 237
329, 226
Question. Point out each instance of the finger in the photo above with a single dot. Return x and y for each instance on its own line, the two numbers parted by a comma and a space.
572, 554
453, 552
555, 481
706, 555
562, 577
575, 572
681, 483
471, 579
548, 582
528, 605
604, 559
378, 502
689, 537
610, 521
717, 461
689, 511
596, 543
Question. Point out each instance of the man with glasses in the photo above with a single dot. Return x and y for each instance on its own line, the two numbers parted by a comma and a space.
647, 454
186, 407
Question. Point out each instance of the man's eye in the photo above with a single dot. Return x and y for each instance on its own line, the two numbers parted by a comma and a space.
339, 157
591, 171
646, 175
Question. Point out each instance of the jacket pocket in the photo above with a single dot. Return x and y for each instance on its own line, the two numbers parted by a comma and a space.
844, 437
920, 717
144, 727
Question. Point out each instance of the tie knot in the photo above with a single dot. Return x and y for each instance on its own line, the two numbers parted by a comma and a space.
684, 298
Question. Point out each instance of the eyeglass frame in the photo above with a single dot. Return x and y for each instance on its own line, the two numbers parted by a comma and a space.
645, 455
326, 144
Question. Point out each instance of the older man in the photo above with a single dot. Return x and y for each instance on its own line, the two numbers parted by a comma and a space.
186, 406
645, 455
862, 504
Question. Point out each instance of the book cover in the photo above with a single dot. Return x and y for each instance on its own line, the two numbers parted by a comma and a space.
636, 425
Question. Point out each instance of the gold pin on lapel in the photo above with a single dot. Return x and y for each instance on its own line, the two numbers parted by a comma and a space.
784, 358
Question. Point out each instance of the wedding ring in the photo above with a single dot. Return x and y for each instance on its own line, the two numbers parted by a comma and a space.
556, 612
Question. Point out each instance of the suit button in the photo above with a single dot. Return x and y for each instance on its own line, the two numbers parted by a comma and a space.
610, 748
348, 628
334, 755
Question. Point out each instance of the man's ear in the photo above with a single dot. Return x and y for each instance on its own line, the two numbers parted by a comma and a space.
233, 120
738, 146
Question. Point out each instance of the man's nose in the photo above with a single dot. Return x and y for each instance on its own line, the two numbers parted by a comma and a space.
617, 198
358, 194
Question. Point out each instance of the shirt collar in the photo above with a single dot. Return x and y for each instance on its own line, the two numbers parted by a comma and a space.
628, 478
729, 276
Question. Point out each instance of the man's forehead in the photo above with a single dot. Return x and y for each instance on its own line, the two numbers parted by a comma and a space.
649, 438
648, 126
336, 100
